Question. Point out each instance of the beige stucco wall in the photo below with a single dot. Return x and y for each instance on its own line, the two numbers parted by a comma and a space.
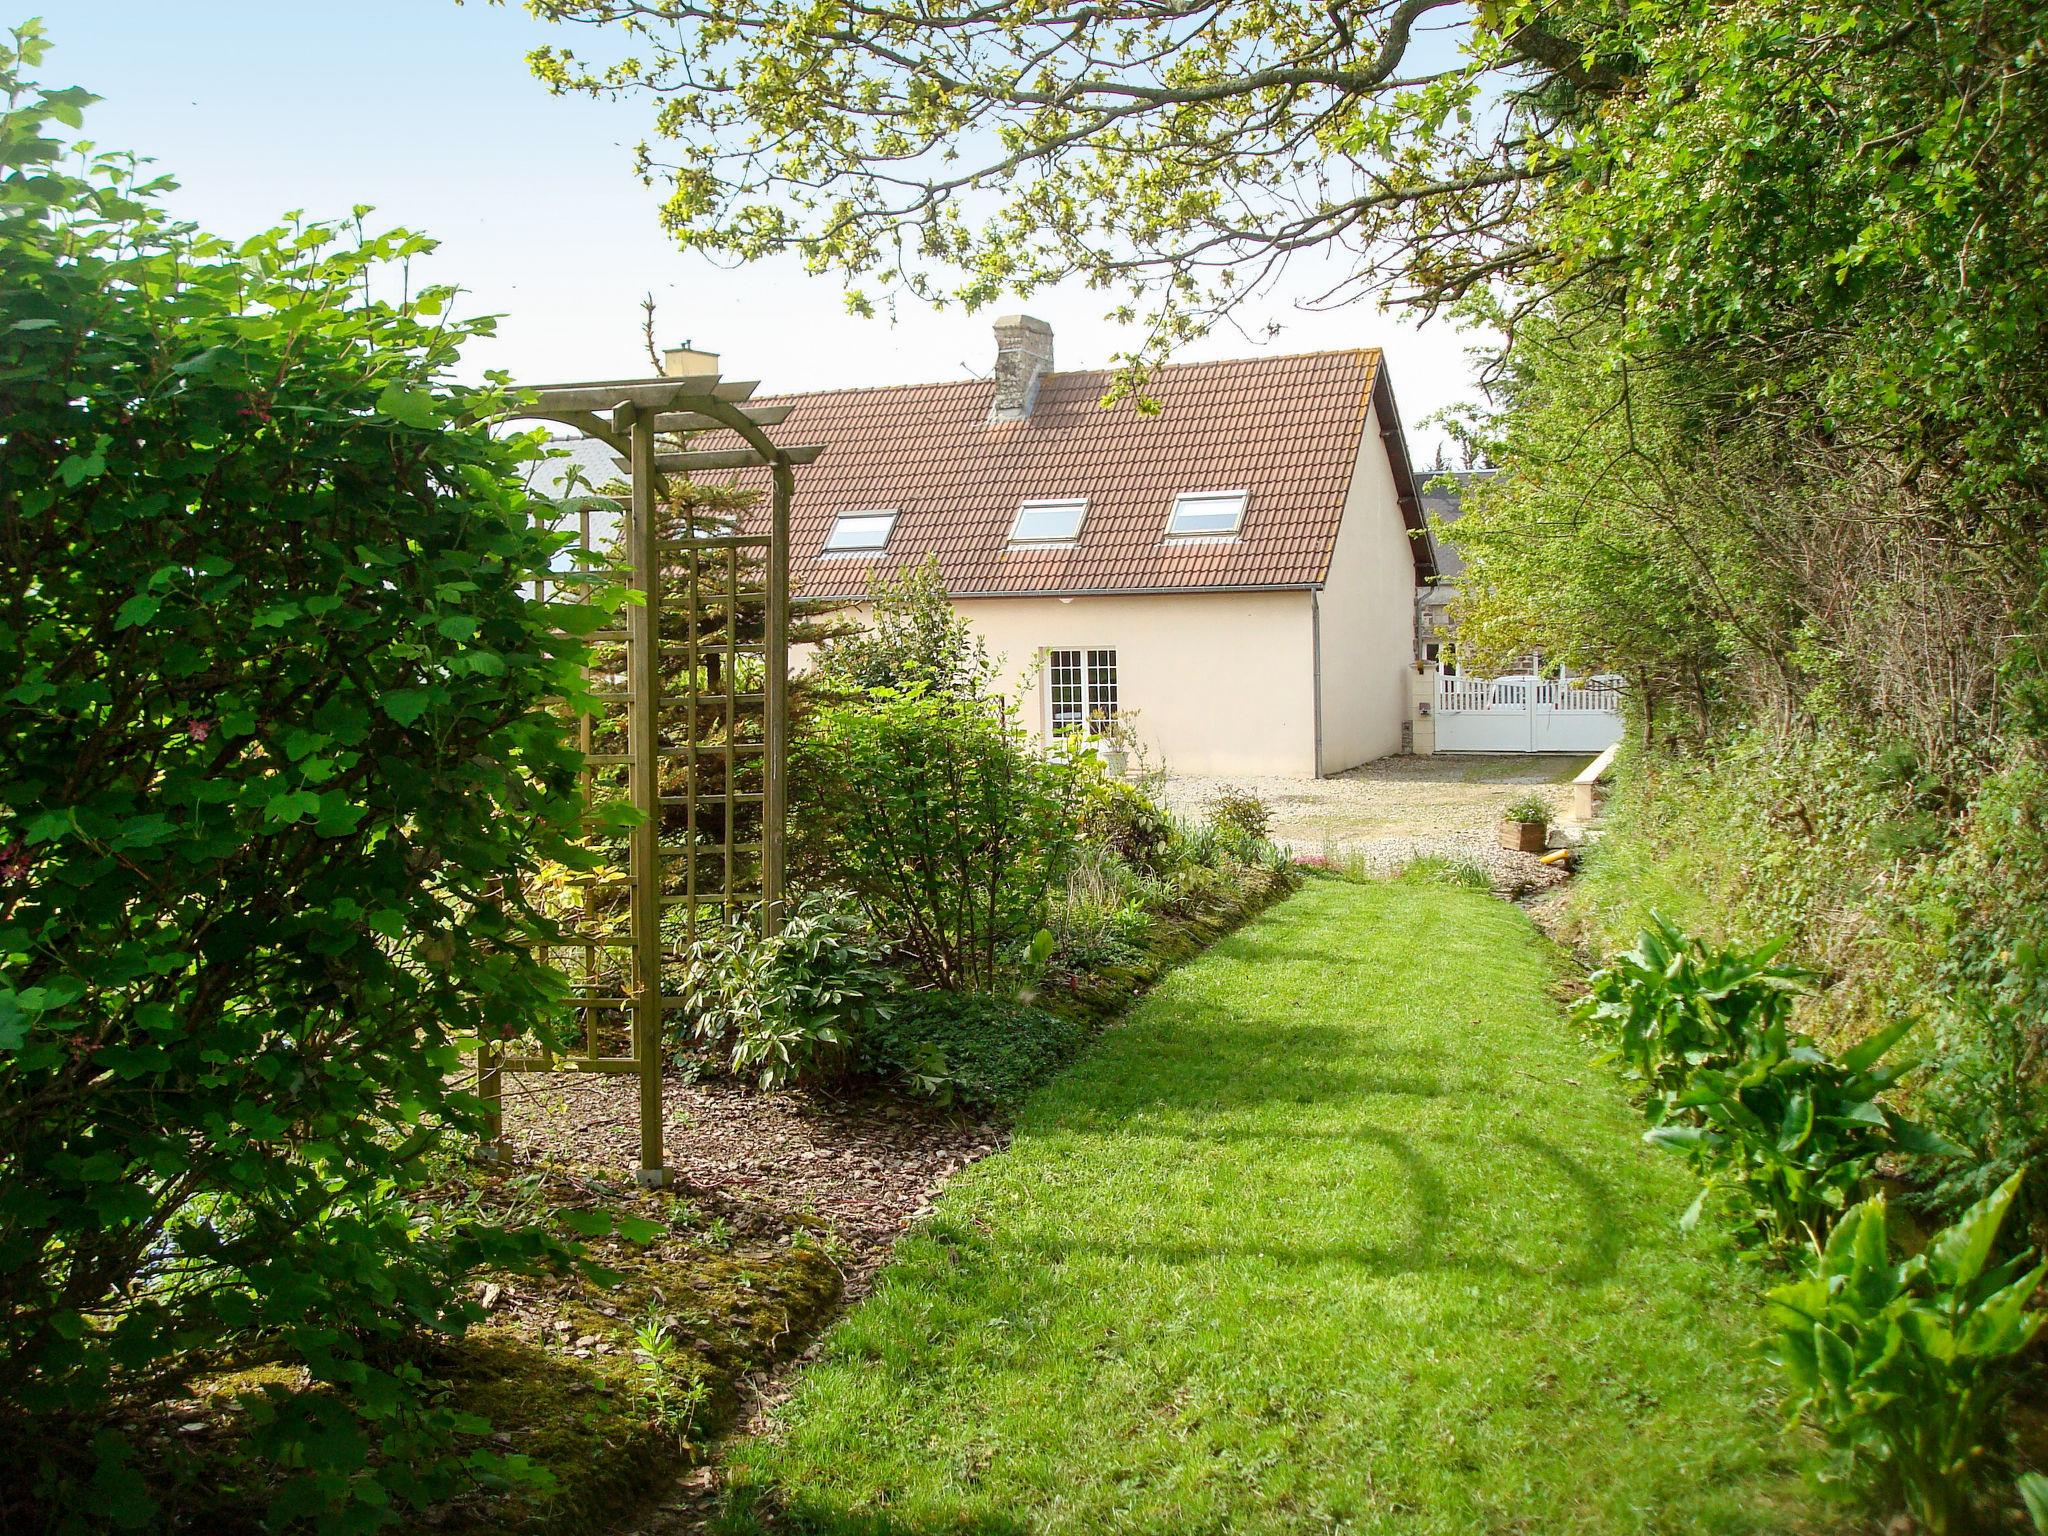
1214, 682
1366, 612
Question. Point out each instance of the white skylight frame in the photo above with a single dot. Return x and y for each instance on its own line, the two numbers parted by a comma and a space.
1049, 523
1207, 515
865, 532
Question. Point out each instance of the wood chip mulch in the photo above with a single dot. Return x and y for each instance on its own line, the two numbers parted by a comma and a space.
864, 1165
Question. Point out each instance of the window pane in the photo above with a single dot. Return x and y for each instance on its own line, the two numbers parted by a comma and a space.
1048, 522
1064, 689
1217, 512
860, 530
1101, 691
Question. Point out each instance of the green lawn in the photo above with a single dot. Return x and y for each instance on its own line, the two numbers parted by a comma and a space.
1339, 1232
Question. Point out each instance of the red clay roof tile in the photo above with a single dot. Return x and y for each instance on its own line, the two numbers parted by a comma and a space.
1286, 429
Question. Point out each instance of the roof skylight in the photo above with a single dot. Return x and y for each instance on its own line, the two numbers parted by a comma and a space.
860, 532
1049, 522
1207, 514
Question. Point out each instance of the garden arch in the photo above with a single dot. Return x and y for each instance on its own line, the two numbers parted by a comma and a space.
690, 725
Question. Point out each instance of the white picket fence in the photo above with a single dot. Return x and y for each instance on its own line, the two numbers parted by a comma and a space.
1527, 712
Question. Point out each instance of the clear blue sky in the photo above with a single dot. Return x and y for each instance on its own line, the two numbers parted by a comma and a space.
426, 109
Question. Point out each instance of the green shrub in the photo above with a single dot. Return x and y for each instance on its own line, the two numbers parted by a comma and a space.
785, 1007
1125, 821
912, 638
1980, 916
947, 830
1906, 1364
1754, 1105
1090, 937
970, 1048
1794, 1130
277, 737
1242, 812
1530, 808
1672, 1005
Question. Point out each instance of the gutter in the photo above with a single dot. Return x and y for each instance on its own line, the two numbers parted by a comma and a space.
1395, 442
861, 596
1315, 642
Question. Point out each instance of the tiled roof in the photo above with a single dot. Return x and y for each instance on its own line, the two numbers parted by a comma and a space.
1286, 429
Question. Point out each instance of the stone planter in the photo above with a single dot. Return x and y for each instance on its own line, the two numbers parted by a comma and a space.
1524, 836
1115, 760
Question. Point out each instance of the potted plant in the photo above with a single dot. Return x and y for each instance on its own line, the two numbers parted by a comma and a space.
1525, 825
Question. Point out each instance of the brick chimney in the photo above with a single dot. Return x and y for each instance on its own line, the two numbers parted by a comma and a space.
1023, 357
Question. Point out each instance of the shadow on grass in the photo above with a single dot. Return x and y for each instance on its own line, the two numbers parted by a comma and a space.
807, 1518
1585, 1251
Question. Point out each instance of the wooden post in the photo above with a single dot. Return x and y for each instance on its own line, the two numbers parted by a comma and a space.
643, 730
490, 1087
775, 730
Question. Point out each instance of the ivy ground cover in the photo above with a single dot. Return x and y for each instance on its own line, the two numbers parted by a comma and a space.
1340, 1231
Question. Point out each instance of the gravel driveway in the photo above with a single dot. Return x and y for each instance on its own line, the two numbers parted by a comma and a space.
1386, 814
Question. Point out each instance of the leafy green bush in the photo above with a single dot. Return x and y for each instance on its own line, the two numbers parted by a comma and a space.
1730, 1085
1796, 1131
277, 742
1127, 822
1093, 937
1233, 810
1907, 1363
912, 638
787, 1006
1672, 1005
970, 1048
1530, 808
1981, 917
947, 830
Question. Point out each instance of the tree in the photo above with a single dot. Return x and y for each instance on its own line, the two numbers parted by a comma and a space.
1181, 151
279, 744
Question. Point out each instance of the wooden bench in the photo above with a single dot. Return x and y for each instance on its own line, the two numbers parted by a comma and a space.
1585, 801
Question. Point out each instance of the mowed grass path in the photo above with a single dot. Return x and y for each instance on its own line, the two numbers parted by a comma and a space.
1340, 1232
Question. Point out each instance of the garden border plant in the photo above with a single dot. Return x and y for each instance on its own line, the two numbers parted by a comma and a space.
278, 746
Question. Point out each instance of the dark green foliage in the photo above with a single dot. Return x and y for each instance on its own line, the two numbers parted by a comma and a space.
787, 1007
1981, 913
1755, 1105
972, 1049
1672, 1006
276, 750
1907, 1363
912, 637
947, 830
1123, 820
1794, 1130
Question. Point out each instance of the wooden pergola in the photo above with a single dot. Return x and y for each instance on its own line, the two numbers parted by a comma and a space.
707, 705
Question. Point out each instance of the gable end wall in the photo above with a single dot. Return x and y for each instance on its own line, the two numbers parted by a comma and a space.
1366, 615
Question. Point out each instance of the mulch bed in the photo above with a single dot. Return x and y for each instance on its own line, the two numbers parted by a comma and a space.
864, 1165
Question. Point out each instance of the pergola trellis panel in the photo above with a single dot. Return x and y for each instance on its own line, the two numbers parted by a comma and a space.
691, 727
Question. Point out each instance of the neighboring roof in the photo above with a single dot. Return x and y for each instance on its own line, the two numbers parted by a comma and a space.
1442, 493
1287, 429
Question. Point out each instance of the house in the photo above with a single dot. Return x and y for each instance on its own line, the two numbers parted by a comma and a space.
1233, 578
1527, 705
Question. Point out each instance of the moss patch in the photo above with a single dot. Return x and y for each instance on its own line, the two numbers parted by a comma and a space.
607, 1384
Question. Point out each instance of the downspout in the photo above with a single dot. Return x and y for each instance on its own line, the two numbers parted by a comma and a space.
1315, 647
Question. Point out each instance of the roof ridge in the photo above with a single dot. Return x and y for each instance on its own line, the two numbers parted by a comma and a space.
1372, 355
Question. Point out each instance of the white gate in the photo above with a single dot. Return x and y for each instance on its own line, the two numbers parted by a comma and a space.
1527, 712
